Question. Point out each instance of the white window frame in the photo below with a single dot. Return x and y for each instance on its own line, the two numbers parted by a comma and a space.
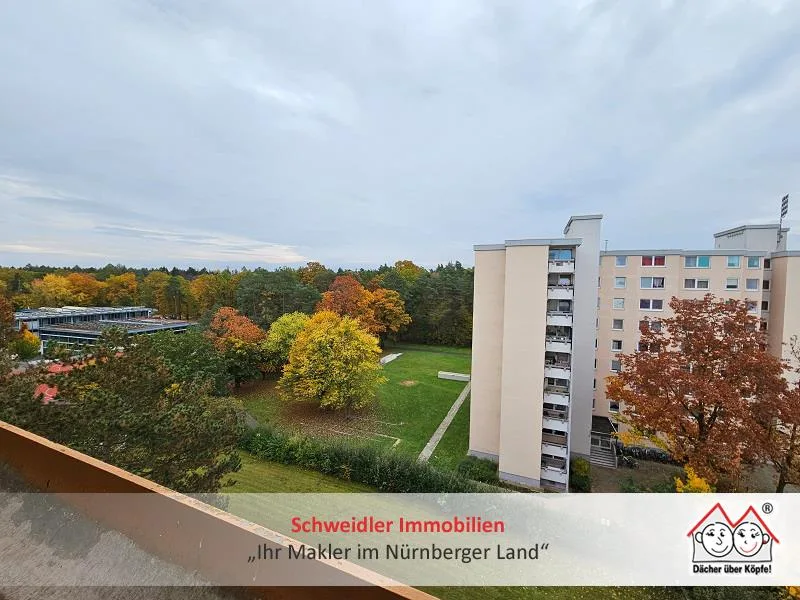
738, 262
613, 344
696, 262
616, 360
747, 284
615, 301
617, 281
622, 263
758, 262
765, 305
611, 409
621, 322
652, 285
651, 300
697, 281
727, 283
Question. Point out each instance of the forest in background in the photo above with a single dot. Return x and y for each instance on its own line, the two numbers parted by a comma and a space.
439, 301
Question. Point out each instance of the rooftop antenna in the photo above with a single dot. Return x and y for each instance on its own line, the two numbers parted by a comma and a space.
784, 212
606, 246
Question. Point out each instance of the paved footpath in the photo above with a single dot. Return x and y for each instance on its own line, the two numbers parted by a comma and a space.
429, 448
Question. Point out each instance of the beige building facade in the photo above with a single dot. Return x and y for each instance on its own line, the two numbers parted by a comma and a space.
533, 353
551, 317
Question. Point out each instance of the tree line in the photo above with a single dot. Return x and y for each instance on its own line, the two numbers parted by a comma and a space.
437, 301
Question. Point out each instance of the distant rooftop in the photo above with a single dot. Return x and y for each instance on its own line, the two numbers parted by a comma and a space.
66, 311
127, 324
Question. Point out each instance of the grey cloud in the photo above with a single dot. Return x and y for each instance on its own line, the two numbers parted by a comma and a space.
402, 129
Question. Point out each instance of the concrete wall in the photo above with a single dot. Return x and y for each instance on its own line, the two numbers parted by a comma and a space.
174, 527
525, 310
584, 331
487, 353
784, 310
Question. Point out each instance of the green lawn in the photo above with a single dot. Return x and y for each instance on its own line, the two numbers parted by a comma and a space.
409, 407
261, 476
414, 401
455, 443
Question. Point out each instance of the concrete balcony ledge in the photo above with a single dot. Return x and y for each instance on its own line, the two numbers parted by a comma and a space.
558, 346
560, 293
554, 449
561, 266
180, 533
562, 319
554, 474
557, 372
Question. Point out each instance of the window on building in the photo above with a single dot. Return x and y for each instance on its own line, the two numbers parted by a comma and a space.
619, 282
616, 345
765, 305
731, 283
765, 284
648, 304
697, 262
649, 283
753, 262
647, 347
763, 326
561, 254
752, 306
751, 284
616, 323
592, 403
594, 384
652, 324
655, 325
616, 365
695, 284
618, 303
767, 263
621, 261
733, 262
613, 406
654, 261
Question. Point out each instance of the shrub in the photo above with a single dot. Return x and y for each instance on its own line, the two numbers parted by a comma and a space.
385, 470
479, 469
580, 479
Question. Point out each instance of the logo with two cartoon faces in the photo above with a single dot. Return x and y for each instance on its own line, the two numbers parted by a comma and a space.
716, 538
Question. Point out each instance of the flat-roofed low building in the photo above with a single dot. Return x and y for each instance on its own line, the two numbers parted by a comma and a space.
81, 325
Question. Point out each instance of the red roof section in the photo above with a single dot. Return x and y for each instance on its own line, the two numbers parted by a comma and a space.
750, 510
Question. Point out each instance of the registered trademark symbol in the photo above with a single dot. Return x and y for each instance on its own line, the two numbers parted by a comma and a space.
767, 508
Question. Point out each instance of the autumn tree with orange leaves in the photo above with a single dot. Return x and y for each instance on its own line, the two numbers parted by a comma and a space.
379, 312
239, 340
696, 386
779, 420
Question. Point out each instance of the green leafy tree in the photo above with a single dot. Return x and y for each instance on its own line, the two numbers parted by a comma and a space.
266, 295
191, 356
130, 410
281, 336
333, 363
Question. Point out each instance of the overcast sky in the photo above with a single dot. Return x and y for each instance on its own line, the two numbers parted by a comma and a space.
238, 132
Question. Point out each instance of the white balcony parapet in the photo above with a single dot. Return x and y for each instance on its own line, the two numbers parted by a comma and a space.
557, 372
554, 450
555, 424
557, 399
560, 293
558, 318
558, 345
554, 474
561, 266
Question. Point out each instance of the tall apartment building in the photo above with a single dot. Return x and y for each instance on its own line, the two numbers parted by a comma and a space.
552, 315
533, 353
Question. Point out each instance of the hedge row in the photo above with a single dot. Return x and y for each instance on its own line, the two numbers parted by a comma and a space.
385, 470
